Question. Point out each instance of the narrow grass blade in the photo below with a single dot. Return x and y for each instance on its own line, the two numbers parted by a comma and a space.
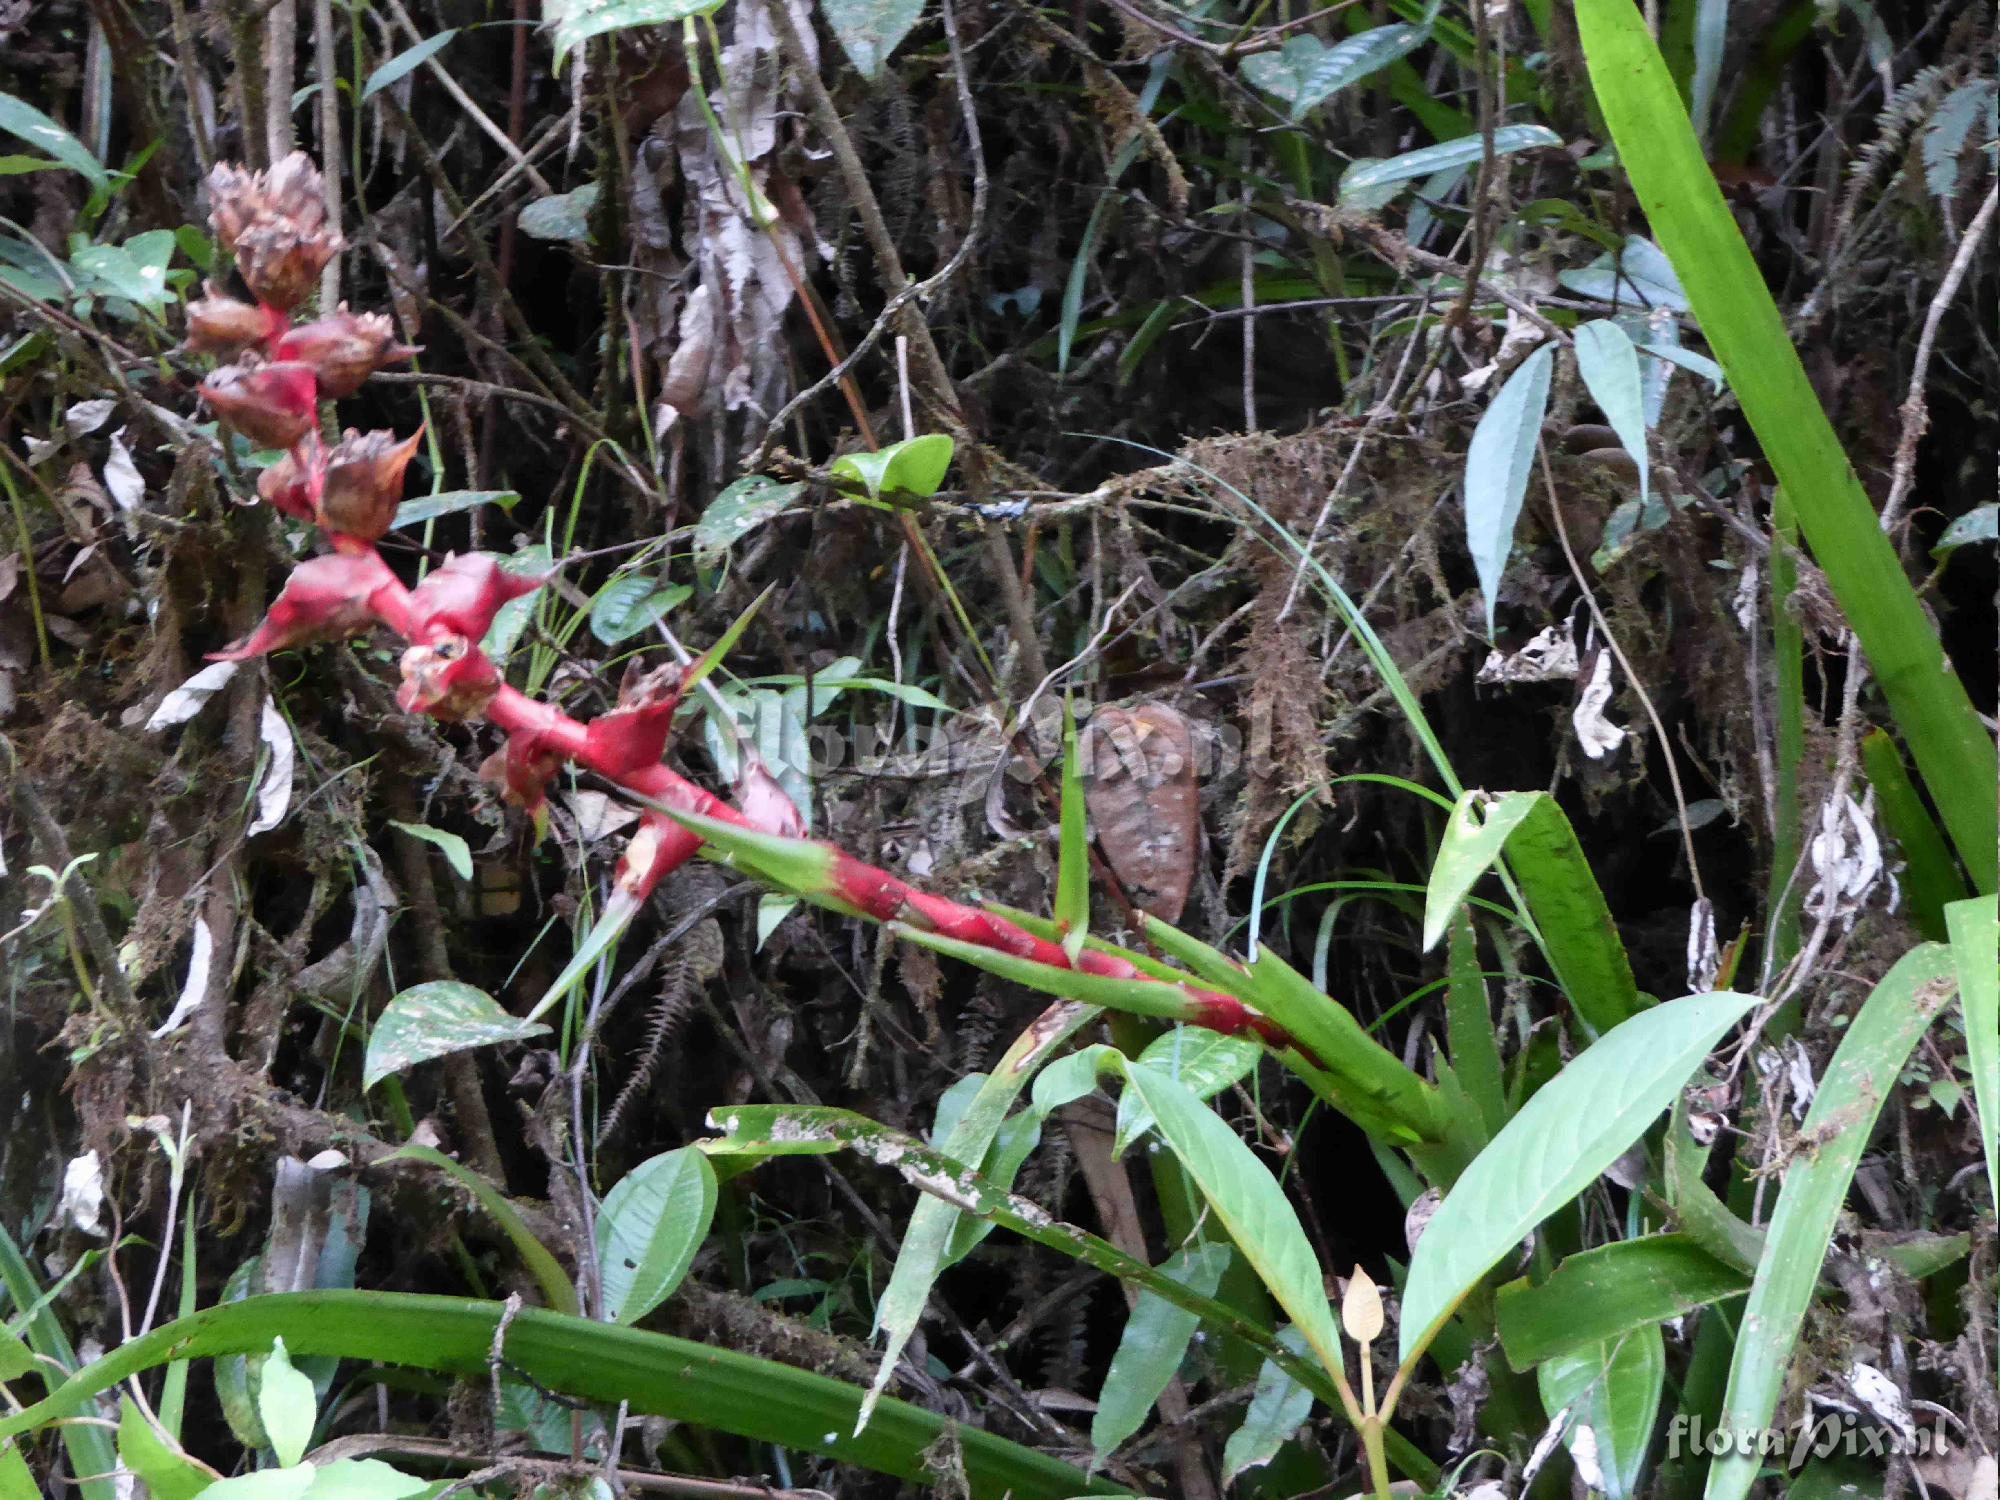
1072, 903
1860, 1078
1694, 226
1469, 1033
1930, 877
542, 1265
1975, 941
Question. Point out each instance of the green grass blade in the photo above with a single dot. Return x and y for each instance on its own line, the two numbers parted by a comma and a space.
543, 1266
1072, 904
91, 1449
1861, 1076
1975, 941
656, 1374
1788, 673
1469, 1033
1930, 878
1743, 326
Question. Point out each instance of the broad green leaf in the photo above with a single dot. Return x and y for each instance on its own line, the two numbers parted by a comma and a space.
363, 1479
557, 1288
967, 1136
1612, 1391
1473, 837
1496, 469
915, 466
430, 1020
294, 1483
405, 62
1600, 1295
1636, 275
1862, 1075
1609, 364
134, 271
1975, 941
578, 20
1202, 1061
1364, 178
450, 502
1279, 1406
1568, 906
16, 1358
21, 119
1150, 1350
1072, 903
1575, 1126
1307, 71
649, 1228
561, 216
633, 602
1473, 1043
737, 511
457, 853
167, 1473
868, 30
1686, 210
286, 1406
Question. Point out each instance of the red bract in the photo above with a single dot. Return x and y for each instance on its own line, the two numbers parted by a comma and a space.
344, 349
462, 596
275, 224
221, 325
522, 769
634, 734
326, 598
448, 677
364, 483
270, 404
286, 486
659, 846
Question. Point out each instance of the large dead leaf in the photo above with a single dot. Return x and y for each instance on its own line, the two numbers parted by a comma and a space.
1144, 802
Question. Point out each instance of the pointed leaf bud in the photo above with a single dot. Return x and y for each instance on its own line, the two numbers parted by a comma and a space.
461, 597
219, 324
634, 734
762, 800
343, 348
448, 678
285, 486
364, 483
325, 599
270, 404
1361, 1308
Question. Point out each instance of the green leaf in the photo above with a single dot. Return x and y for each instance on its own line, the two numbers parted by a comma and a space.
561, 216
1139, 997
1748, 335
135, 270
1862, 1075
1980, 524
620, 907
1975, 941
1635, 275
286, 1406
167, 1473
21, 119
1609, 365
1279, 1406
1575, 1126
1307, 71
633, 602
1600, 1295
737, 511
931, 1237
868, 30
915, 466
1568, 906
799, 866
431, 1020
1496, 469
649, 1228
701, 1385
1613, 1393
265, 1484
1202, 1061
450, 502
1931, 881
457, 853
1151, 1348
1365, 177
578, 20
1072, 903
363, 1479
16, 1358
1473, 1044
405, 62
549, 1275
1474, 834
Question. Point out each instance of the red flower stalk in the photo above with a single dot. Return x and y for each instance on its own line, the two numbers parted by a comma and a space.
270, 404
343, 348
462, 596
325, 599
634, 734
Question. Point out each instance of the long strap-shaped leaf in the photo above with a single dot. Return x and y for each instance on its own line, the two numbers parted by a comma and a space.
1693, 225
709, 1387
1850, 1096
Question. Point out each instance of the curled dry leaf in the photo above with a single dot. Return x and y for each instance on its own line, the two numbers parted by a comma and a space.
1144, 802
